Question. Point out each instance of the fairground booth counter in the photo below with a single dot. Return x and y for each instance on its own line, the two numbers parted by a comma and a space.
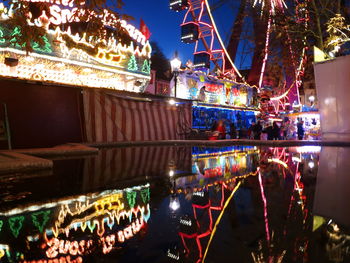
217, 99
312, 125
76, 88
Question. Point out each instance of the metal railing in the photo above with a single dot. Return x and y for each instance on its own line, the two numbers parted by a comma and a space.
5, 134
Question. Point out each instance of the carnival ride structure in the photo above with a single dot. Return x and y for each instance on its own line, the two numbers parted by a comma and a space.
199, 27
199, 24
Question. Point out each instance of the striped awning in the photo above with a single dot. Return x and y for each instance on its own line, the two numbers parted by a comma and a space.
110, 117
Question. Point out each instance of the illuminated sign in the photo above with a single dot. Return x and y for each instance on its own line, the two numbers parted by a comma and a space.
71, 57
209, 89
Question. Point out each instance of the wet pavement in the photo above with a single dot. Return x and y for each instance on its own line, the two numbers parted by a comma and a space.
181, 204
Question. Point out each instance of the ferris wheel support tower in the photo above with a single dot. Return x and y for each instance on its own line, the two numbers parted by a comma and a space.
199, 27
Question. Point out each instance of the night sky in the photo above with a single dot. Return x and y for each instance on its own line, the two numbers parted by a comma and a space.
164, 23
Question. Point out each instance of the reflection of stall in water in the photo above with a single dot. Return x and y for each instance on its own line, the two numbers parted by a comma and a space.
210, 165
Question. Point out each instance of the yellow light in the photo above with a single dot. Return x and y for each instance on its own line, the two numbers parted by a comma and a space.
319, 55
221, 42
67, 72
274, 160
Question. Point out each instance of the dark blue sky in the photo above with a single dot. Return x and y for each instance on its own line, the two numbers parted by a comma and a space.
164, 24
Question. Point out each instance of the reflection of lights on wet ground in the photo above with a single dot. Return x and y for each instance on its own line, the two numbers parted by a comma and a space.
172, 255
309, 149
4, 246
311, 164
296, 159
299, 189
174, 203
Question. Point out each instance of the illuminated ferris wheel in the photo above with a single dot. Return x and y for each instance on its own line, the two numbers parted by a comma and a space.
199, 27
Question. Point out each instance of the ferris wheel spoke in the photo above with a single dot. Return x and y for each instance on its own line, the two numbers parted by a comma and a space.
199, 27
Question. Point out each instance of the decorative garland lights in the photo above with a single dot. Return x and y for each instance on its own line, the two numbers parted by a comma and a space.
65, 230
76, 59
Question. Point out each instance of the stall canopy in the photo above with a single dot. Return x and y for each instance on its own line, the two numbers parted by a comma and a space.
109, 117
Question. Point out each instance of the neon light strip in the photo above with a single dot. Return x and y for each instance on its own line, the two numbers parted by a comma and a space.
77, 63
266, 49
275, 160
265, 208
201, 13
81, 198
55, 246
282, 96
225, 108
201, 156
219, 219
206, 24
185, 18
220, 40
190, 22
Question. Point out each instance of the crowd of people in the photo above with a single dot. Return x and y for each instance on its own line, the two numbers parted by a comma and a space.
273, 131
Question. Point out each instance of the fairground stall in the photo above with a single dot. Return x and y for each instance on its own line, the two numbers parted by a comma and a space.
311, 124
217, 99
78, 87
67, 55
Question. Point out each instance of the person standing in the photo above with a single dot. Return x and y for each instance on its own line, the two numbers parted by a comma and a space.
257, 129
276, 131
251, 131
233, 131
269, 131
221, 129
214, 125
300, 129
285, 130
243, 133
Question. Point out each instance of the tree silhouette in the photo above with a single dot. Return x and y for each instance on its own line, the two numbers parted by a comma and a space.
160, 63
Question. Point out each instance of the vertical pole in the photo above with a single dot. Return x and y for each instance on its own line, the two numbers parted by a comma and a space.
175, 75
7, 125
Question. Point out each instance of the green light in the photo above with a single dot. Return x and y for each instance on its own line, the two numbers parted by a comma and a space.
131, 196
145, 195
146, 67
16, 223
132, 65
2, 39
317, 222
91, 227
44, 218
46, 48
15, 34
